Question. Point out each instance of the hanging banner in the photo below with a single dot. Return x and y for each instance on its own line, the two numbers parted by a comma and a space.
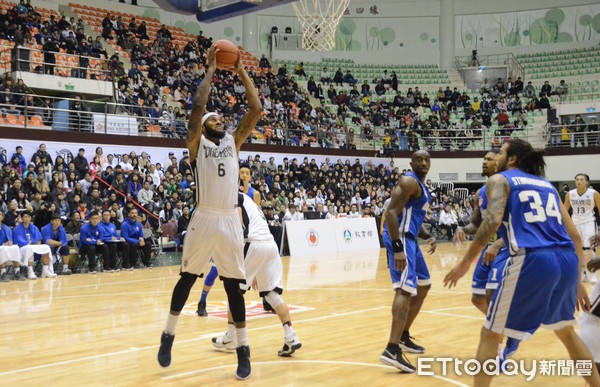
120, 125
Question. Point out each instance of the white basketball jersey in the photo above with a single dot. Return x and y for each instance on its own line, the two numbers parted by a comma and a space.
583, 206
257, 228
217, 174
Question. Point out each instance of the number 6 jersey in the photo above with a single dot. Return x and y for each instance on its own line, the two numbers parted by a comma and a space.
582, 205
532, 218
217, 174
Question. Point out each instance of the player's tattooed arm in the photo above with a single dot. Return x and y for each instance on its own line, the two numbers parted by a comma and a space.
249, 119
199, 104
497, 191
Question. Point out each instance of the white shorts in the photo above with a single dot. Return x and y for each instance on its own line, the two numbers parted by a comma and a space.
9, 254
28, 251
587, 231
217, 235
263, 263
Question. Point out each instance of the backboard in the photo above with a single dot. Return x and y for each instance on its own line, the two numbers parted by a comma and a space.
215, 10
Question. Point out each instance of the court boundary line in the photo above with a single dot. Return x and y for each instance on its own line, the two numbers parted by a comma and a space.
199, 338
298, 361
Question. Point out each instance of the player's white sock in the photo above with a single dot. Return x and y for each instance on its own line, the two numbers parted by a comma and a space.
65, 267
242, 336
588, 331
287, 328
230, 331
171, 324
2, 270
30, 269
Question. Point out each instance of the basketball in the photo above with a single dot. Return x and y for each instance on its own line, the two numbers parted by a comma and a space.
227, 54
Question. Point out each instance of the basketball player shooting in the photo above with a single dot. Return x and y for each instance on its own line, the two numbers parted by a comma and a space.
215, 229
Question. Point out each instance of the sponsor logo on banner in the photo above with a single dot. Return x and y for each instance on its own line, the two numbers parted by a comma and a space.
66, 154
312, 237
3, 156
347, 236
122, 125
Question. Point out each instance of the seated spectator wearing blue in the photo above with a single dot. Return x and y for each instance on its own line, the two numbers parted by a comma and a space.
8, 253
55, 236
349, 79
133, 233
113, 241
29, 239
90, 242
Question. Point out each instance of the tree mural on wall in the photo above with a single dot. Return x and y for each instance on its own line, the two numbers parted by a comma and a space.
556, 25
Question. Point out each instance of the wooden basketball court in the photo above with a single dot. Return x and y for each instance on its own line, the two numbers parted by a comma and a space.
105, 329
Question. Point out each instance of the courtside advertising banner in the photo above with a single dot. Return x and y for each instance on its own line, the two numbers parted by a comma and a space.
311, 237
356, 234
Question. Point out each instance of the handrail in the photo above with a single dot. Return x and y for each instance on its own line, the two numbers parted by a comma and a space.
86, 71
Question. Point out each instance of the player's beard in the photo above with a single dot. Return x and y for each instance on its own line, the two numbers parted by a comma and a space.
214, 133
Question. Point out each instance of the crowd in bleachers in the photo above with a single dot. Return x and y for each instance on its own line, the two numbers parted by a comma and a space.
162, 79
116, 191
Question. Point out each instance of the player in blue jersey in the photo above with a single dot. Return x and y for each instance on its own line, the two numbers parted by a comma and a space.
486, 277
410, 277
541, 282
245, 177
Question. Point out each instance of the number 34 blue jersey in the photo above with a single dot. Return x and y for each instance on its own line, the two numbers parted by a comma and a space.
532, 218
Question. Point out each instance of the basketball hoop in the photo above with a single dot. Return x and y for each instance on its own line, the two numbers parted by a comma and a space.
319, 20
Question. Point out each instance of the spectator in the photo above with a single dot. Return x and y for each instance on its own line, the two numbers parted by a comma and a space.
9, 252
299, 70
90, 242
264, 63
292, 214
29, 239
325, 76
55, 236
132, 231
448, 221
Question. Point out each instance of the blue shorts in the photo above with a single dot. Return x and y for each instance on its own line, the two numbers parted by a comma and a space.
416, 272
480, 276
488, 277
538, 288
497, 269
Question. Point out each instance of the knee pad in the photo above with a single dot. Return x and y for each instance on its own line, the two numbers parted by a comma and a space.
182, 291
235, 297
211, 276
274, 299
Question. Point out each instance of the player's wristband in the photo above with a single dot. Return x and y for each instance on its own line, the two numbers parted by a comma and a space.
397, 246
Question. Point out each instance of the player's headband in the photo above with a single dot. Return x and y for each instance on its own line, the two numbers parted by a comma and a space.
207, 116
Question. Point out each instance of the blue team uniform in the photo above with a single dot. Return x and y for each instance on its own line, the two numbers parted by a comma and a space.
487, 277
59, 235
539, 282
410, 221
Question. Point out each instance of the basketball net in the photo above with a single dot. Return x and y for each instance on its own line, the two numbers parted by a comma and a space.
319, 20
